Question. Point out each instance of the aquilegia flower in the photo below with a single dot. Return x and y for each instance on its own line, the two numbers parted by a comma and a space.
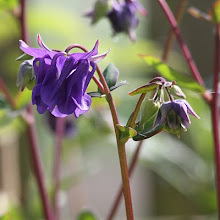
62, 79
123, 17
174, 115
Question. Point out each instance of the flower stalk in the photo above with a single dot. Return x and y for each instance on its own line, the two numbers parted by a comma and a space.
215, 112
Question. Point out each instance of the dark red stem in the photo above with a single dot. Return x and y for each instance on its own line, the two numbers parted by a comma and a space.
37, 164
215, 112
60, 129
184, 47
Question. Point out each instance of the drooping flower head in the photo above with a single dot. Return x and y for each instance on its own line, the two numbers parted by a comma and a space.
62, 79
174, 115
123, 17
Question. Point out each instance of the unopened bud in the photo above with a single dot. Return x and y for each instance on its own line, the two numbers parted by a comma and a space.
26, 77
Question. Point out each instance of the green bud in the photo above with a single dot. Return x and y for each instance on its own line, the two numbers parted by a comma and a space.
177, 92
101, 8
26, 76
174, 125
148, 112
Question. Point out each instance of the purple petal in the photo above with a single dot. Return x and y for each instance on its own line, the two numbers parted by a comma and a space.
93, 52
35, 52
165, 109
41, 43
36, 99
180, 108
83, 106
55, 111
190, 110
98, 58
51, 85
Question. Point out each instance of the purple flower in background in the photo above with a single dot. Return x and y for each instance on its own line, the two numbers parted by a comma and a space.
123, 17
174, 115
62, 79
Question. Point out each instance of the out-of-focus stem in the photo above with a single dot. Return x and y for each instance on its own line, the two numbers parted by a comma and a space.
60, 128
37, 164
170, 39
183, 46
215, 112
32, 134
8, 96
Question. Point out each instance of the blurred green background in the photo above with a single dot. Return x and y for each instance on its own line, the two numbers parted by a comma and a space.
174, 178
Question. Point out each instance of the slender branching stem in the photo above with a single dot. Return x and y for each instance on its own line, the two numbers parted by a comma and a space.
215, 112
121, 150
60, 128
178, 15
166, 52
184, 47
121, 147
38, 168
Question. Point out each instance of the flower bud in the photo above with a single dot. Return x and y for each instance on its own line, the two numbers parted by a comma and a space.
176, 91
26, 76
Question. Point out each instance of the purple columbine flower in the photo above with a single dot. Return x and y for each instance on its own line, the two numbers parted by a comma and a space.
174, 115
123, 17
62, 79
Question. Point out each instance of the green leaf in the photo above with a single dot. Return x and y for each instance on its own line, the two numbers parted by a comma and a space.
171, 74
144, 89
125, 133
24, 57
215, 12
111, 75
149, 110
86, 215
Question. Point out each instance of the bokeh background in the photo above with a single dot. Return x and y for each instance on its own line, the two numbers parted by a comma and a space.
174, 178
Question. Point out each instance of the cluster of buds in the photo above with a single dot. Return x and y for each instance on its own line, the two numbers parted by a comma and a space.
168, 113
121, 15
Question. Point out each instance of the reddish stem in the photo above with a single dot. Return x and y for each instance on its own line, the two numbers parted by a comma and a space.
60, 128
37, 164
178, 15
215, 112
8, 96
184, 47
120, 192
32, 134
